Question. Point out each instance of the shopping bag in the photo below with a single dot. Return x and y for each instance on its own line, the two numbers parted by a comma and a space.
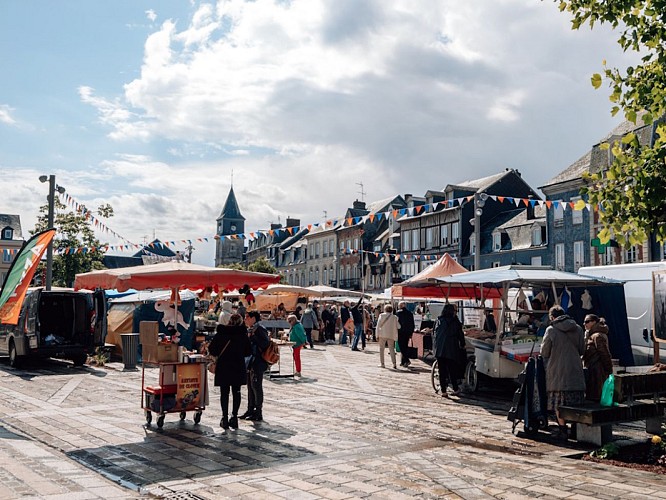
607, 391
397, 346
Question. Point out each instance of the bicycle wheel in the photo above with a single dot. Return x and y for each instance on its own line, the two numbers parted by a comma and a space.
434, 377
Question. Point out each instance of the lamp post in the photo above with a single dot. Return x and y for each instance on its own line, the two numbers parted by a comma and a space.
53, 187
479, 202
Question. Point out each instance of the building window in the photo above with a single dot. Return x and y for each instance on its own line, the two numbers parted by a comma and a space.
405, 241
6, 258
310, 274
416, 245
497, 241
377, 247
576, 215
317, 250
630, 255
356, 243
607, 258
325, 248
535, 261
559, 257
579, 255
537, 239
349, 245
496, 264
312, 252
429, 234
558, 215
331, 246
454, 233
342, 246
445, 235
331, 274
325, 278
7, 233
316, 275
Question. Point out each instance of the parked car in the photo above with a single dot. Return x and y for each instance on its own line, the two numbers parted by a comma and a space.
56, 324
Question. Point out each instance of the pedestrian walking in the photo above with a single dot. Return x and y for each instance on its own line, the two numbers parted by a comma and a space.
230, 345
387, 334
405, 332
309, 321
449, 343
298, 337
357, 317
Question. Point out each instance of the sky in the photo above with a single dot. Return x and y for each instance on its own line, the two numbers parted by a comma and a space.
307, 105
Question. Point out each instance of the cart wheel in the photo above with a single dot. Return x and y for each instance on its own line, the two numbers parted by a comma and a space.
434, 377
183, 415
197, 417
160, 421
471, 377
543, 423
149, 417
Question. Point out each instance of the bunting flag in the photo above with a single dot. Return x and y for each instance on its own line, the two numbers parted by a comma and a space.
20, 275
351, 221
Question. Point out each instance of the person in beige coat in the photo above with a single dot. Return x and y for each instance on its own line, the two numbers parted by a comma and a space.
387, 333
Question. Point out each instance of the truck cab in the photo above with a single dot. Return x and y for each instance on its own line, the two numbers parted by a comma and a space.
59, 323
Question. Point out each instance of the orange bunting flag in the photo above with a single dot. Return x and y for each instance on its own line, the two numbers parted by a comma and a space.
500, 199
371, 217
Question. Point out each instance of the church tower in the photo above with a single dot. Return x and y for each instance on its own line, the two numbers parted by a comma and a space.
230, 221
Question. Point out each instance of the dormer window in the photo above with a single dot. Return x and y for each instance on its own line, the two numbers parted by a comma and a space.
537, 236
497, 241
7, 233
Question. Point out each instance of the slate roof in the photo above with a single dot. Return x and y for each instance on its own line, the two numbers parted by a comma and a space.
231, 210
158, 248
573, 171
13, 221
478, 184
517, 227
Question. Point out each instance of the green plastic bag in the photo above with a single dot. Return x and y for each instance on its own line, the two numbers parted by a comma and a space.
397, 347
607, 391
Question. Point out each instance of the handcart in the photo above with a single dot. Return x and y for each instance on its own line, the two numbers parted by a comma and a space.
530, 399
180, 388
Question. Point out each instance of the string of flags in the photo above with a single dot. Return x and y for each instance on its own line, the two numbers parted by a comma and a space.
349, 221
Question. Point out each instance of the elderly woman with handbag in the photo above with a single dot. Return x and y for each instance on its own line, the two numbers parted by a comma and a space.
230, 346
597, 357
387, 333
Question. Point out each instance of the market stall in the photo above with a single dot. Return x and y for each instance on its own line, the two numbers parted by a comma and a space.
503, 354
172, 361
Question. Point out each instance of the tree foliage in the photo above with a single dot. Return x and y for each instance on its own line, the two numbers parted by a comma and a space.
73, 231
631, 192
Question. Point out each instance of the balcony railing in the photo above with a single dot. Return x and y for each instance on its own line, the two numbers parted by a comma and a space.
351, 284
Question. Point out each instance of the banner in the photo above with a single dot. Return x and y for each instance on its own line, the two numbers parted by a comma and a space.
20, 275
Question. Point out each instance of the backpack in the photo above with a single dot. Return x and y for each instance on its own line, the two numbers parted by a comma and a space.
271, 354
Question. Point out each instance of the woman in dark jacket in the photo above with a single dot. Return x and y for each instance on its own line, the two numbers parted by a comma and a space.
597, 356
449, 342
231, 344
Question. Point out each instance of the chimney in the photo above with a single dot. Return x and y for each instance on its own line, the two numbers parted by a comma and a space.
276, 226
360, 205
293, 222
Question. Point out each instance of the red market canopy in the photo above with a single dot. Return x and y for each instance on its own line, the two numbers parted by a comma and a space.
425, 284
172, 275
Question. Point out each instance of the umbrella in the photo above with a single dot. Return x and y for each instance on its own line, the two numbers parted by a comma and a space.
172, 275
425, 284
330, 291
286, 290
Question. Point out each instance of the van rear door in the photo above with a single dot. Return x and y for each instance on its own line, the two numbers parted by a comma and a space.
99, 317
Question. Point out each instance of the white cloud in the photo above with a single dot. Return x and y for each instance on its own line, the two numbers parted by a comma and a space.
6, 115
151, 15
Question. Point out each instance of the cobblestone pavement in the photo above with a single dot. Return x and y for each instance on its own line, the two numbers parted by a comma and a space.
347, 429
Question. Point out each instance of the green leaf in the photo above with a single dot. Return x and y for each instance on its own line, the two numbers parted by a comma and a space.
596, 80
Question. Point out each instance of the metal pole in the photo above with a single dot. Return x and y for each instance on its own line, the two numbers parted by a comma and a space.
477, 233
49, 250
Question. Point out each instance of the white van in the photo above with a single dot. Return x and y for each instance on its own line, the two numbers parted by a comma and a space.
638, 296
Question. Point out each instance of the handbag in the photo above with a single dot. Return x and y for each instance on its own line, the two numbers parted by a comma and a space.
412, 352
212, 365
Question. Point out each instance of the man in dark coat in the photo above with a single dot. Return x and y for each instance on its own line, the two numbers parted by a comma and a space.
345, 314
359, 334
449, 344
259, 341
405, 331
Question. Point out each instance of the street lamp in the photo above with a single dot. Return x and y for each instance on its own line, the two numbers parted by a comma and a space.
479, 202
53, 187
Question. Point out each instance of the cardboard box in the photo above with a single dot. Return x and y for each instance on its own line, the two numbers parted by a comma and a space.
167, 353
149, 332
